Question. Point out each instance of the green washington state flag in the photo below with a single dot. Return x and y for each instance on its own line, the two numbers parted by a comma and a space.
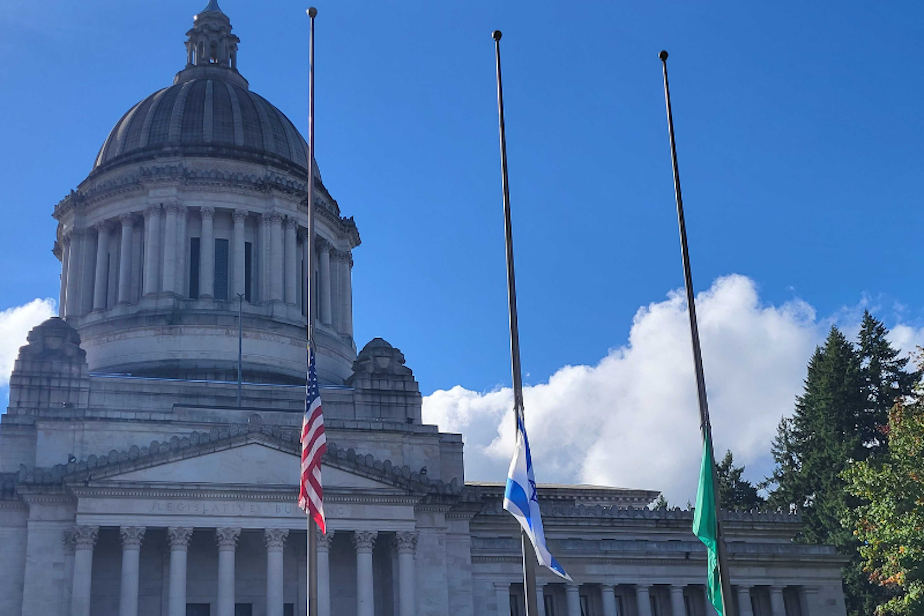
706, 526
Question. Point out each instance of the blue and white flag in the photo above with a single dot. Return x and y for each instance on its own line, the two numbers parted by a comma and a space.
521, 501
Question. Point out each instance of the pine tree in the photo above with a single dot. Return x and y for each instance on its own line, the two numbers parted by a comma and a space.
885, 378
735, 493
848, 392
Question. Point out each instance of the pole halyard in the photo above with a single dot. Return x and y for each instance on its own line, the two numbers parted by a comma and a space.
528, 552
728, 607
312, 608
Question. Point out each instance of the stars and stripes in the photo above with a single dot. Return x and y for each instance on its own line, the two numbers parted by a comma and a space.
314, 444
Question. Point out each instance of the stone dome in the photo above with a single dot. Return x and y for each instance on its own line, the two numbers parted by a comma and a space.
204, 116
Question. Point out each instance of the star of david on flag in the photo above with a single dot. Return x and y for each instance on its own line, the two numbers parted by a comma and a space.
521, 501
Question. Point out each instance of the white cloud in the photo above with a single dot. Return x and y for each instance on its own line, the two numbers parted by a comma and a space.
632, 419
15, 324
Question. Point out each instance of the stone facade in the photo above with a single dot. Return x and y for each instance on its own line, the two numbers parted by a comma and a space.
135, 482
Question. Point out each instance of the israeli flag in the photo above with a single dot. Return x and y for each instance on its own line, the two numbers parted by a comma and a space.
521, 501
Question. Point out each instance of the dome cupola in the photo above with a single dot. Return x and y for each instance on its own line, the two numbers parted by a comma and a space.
194, 221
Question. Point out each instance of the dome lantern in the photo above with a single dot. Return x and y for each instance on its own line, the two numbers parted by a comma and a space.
211, 48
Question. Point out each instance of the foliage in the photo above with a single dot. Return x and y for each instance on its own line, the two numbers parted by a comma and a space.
735, 493
837, 420
890, 521
661, 504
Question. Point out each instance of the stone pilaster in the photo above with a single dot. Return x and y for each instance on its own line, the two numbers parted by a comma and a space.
151, 250
406, 546
125, 257
291, 260
207, 253
84, 542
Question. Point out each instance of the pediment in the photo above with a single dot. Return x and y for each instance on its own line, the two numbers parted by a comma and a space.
251, 464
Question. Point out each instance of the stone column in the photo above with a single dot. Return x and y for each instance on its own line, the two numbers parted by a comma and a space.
151, 249
275, 539
324, 248
264, 258
102, 271
324, 572
169, 270
73, 273
346, 279
608, 594
227, 543
70, 544
131, 553
777, 604
87, 270
406, 545
62, 293
84, 542
336, 288
125, 257
276, 260
303, 283
807, 599
178, 537
240, 217
207, 253
574, 599
540, 598
363, 542
503, 598
182, 288
643, 599
291, 261
744, 601
677, 606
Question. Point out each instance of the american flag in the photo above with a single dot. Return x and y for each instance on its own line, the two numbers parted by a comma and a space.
314, 444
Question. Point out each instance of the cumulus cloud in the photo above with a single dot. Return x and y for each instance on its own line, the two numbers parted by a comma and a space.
632, 419
15, 324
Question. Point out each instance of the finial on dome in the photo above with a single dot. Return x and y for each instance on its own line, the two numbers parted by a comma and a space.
212, 7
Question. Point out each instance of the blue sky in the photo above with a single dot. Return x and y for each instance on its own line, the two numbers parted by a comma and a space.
799, 135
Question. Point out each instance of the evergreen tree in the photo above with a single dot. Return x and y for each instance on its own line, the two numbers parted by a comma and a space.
885, 378
661, 504
735, 493
837, 421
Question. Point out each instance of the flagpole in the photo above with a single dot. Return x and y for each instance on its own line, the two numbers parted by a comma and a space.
705, 424
529, 555
312, 607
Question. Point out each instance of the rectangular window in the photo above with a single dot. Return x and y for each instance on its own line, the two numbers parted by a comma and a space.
221, 269
194, 268
248, 271
243, 609
197, 609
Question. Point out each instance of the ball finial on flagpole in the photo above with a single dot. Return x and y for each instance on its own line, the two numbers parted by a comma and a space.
663, 55
312, 12
496, 35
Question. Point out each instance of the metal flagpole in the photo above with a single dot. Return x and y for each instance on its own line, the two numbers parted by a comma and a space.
529, 555
705, 425
312, 533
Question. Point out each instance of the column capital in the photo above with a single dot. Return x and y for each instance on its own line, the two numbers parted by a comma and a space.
291, 222
85, 537
227, 538
321, 244
573, 587
275, 538
744, 587
172, 208
131, 537
102, 225
364, 540
406, 542
69, 541
607, 587
505, 586
677, 588
777, 590
207, 211
178, 536
127, 219
240, 215
273, 216
324, 540
266, 217
151, 210
78, 232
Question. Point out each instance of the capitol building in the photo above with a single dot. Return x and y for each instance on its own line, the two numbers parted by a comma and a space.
136, 479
